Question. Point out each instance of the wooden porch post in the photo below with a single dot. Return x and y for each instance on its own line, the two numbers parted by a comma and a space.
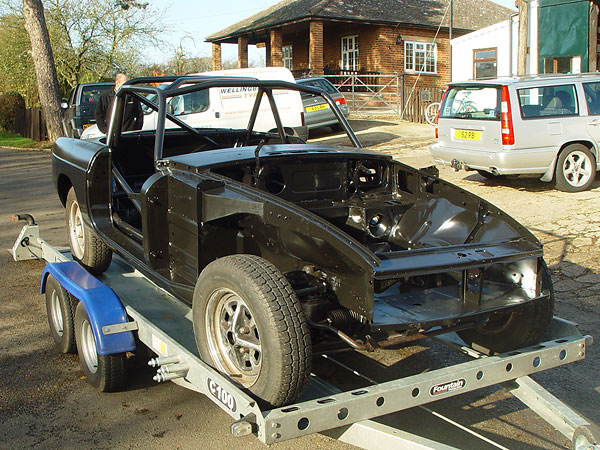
242, 52
216, 56
276, 41
315, 56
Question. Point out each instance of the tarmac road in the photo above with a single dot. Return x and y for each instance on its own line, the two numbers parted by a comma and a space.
45, 402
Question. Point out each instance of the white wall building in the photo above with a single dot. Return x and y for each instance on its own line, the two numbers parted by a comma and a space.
491, 52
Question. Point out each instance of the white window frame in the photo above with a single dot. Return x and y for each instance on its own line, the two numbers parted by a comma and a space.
287, 56
349, 46
426, 49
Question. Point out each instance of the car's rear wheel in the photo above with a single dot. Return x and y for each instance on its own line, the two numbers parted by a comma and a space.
517, 329
575, 169
85, 246
249, 324
107, 373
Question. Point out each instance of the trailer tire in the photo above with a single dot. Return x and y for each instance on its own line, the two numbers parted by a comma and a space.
107, 373
60, 308
249, 324
585, 436
85, 246
517, 329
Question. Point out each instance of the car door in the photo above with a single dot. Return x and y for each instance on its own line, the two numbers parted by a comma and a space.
591, 93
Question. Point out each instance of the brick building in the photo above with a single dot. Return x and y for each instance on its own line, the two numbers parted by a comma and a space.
399, 37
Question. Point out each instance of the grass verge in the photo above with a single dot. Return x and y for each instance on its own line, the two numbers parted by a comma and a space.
16, 140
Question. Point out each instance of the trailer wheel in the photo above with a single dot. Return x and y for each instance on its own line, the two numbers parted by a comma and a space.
85, 246
249, 324
107, 373
585, 437
518, 329
60, 308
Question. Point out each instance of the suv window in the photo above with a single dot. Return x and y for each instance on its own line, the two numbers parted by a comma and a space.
91, 94
472, 102
592, 97
548, 101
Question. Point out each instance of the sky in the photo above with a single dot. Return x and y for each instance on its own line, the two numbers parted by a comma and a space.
187, 23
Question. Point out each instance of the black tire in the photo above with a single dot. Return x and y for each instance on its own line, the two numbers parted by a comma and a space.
575, 169
270, 353
107, 373
85, 246
517, 329
60, 309
490, 175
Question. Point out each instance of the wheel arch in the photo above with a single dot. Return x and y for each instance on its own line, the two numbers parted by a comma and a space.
549, 174
63, 184
291, 242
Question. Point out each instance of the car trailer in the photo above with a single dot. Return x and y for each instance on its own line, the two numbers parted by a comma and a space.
123, 304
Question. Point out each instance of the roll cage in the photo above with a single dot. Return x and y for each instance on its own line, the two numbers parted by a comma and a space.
141, 88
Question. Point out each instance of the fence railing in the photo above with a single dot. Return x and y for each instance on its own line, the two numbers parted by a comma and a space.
416, 104
30, 123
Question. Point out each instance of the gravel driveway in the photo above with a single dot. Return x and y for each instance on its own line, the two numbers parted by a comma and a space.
44, 402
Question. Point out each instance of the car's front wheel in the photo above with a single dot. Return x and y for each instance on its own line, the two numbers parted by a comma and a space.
249, 324
85, 246
575, 169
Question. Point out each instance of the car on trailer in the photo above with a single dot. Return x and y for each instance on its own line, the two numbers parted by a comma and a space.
277, 244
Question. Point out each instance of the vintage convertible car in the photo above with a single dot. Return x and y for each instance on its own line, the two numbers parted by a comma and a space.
277, 244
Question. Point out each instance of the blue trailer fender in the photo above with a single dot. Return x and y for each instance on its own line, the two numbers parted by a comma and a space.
101, 303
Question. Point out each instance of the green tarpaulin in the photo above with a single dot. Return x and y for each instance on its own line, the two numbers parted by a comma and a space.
563, 30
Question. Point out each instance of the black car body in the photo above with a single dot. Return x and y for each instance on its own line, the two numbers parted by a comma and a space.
365, 247
81, 107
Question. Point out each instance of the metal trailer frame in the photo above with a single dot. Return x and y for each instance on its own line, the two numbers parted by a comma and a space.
323, 408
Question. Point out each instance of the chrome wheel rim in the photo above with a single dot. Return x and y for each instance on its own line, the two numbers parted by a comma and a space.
76, 231
233, 337
88, 347
577, 168
56, 314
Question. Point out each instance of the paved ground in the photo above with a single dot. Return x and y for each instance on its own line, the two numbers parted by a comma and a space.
45, 403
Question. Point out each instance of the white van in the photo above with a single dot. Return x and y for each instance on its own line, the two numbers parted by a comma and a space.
539, 125
230, 107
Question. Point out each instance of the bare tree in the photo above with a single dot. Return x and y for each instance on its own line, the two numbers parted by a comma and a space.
43, 61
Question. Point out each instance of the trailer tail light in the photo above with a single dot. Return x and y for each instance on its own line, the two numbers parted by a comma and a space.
437, 116
340, 101
302, 119
506, 123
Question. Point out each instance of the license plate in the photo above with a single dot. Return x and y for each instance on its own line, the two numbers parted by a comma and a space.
467, 135
317, 107
86, 125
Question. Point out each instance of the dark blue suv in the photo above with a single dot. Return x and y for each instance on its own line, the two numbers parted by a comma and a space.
80, 109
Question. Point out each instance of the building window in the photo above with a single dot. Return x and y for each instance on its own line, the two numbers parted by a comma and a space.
485, 63
287, 58
564, 64
420, 57
350, 53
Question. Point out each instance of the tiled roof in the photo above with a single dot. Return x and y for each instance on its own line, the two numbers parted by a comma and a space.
468, 14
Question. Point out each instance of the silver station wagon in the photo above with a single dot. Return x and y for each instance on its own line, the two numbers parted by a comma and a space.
541, 125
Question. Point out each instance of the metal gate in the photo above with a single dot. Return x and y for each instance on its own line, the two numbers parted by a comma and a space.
384, 93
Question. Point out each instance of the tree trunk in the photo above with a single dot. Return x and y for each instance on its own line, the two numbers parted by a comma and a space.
45, 71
